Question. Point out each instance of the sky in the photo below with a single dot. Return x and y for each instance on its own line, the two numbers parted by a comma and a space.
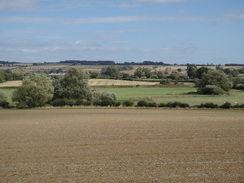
171, 31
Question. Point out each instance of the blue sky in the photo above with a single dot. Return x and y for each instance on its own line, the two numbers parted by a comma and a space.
172, 31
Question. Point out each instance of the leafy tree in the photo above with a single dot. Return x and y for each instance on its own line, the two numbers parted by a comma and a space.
201, 71
160, 74
73, 85
36, 90
111, 71
3, 99
191, 71
213, 78
138, 72
174, 76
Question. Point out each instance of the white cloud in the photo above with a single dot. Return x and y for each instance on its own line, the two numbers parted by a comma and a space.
16, 4
119, 19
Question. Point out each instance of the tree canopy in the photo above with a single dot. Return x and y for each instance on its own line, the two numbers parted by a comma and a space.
73, 85
36, 90
213, 78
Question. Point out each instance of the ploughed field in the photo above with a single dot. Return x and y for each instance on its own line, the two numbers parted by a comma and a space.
121, 145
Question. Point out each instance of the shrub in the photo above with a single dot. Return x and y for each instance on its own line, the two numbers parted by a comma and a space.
208, 105
63, 102
152, 104
239, 106
162, 105
3, 100
83, 102
106, 102
128, 103
177, 104
164, 82
226, 105
211, 90
142, 103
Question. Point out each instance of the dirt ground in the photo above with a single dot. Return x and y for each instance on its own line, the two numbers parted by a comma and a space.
121, 145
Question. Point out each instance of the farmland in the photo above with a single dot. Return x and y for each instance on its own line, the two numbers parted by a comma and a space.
121, 145
137, 90
181, 94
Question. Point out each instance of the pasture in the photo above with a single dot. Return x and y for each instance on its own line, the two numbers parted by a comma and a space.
179, 94
131, 90
121, 145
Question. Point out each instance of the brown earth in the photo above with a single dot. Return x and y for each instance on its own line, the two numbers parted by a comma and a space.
121, 145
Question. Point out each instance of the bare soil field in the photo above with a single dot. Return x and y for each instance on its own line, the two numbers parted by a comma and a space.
121, 145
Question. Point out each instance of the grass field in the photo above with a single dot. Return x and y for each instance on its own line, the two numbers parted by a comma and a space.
121, 145
164, 95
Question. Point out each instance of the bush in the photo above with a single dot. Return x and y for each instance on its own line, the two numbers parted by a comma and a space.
211, 90
142, 103
3, 100
128, 103
239, 106
164, 82
208, 105
152, 104
63, 102
106, 102
177, 104
226, 105
83, 102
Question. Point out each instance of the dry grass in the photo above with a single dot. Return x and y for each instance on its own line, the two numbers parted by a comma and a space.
93, 82
121, 145
109, 82
11, 84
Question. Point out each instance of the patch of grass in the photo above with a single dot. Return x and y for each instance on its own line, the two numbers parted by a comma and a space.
183, 95
141, 92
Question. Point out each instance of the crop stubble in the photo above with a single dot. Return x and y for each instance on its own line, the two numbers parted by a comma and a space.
121, 145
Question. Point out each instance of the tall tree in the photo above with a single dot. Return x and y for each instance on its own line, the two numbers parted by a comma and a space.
214, 80
36, 90
191, 71
201, 71
74, 85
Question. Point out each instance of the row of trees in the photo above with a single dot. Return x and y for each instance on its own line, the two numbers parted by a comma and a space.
70, 89
8, 75
193, 72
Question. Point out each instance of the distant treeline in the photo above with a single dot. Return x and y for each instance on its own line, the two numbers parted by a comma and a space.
234, 64
7, 62
109, 62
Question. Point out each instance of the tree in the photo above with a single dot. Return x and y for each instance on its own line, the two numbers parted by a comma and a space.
191, 71
111, 71
36, 90
138, 72
174, 75
213, 78
74, 85
201, 71
3, 99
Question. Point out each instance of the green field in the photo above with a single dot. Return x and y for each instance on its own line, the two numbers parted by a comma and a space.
164, 95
